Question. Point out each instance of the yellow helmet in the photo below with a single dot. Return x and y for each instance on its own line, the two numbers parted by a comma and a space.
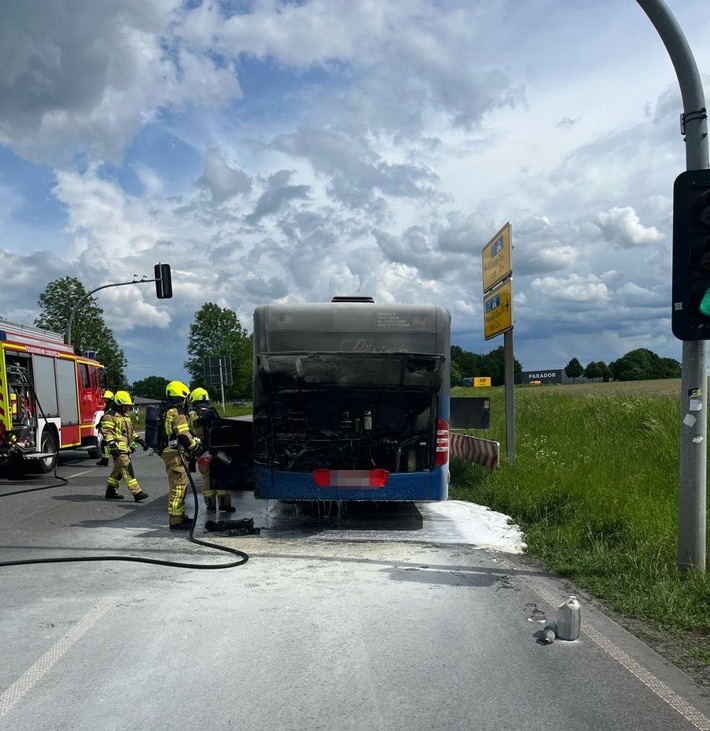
108, 395
199, 394
123, 398
177, 389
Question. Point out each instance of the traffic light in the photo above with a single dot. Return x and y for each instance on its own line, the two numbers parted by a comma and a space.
691, 256
163, 282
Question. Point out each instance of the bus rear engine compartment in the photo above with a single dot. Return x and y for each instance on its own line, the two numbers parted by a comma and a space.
348, 412
316, 430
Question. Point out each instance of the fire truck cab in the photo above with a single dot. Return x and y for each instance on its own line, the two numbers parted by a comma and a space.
50, 398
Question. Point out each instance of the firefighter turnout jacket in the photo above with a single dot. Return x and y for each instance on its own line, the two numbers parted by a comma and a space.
177, 430
117, 430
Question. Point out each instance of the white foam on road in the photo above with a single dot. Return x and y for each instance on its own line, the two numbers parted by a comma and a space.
450, 522
455, 521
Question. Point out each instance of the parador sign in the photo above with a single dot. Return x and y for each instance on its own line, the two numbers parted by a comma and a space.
550, 376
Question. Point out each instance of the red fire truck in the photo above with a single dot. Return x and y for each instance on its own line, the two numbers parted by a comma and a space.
50, 398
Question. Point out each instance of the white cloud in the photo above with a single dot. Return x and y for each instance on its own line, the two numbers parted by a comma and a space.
291, 151
623, 227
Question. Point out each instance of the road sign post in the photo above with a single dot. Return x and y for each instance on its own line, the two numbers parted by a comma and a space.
496, 262
218, 372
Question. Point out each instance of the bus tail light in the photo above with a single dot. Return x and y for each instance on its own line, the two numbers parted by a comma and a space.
442, 442
351, 478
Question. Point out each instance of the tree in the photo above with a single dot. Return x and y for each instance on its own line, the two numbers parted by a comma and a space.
493, 365
597, 370
89, 331
455, 375
465, 364
642, 365
574, 369
217, 332
151, 387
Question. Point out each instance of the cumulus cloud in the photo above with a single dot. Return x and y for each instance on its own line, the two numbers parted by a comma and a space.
623, 228
294, 150
571, 291
221, 180
83, 78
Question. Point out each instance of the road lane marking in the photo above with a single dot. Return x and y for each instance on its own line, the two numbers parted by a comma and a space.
34, 674
78, 474
656, 686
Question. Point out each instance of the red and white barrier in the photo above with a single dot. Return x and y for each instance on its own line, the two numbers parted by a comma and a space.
479, 451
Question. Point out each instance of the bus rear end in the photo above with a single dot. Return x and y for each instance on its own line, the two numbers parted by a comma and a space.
362, 414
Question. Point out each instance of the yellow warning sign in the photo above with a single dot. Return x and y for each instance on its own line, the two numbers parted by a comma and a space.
498, 310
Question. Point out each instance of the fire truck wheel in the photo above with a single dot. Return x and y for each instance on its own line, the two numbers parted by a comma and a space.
49, 444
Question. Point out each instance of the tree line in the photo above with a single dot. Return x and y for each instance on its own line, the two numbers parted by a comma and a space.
217, 332
637, 365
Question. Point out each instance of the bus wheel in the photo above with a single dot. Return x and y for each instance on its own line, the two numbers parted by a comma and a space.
46, 464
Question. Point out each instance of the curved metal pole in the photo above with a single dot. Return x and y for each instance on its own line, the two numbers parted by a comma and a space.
70, 322
692, 491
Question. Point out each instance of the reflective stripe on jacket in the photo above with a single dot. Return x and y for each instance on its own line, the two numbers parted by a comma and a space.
175, 424
118, 430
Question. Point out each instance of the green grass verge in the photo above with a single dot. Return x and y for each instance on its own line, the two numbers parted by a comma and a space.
594, 488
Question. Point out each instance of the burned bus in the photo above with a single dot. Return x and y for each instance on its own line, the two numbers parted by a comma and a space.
351, 401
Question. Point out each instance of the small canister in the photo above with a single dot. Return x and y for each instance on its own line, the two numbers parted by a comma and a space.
569, 619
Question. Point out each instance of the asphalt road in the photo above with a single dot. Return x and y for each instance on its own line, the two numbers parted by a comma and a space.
371, 619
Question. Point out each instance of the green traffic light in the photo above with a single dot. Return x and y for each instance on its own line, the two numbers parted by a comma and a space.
704, 306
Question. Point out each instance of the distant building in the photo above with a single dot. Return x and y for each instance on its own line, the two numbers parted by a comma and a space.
551, 375
546, 376
141, 404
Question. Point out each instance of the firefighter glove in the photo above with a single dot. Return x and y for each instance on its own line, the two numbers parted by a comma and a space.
141, 441
114, 450
184, 440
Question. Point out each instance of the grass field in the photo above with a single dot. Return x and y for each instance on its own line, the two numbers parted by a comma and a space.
594, 488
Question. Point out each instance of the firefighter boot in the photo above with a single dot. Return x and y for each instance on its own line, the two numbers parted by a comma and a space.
112, 494
185, 524
103, 462
225, 504
140, 496
210, 504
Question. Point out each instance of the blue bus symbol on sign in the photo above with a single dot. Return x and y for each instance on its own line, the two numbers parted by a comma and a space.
492, 303
497, 247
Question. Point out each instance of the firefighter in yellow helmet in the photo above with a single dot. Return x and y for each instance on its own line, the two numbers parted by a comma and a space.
121, 440
180, 439
203, 416
103, 446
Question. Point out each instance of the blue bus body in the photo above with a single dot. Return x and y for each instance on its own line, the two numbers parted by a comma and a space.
351, 402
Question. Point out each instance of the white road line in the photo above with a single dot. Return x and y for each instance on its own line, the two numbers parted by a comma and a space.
78, 474
656, 686
34, 674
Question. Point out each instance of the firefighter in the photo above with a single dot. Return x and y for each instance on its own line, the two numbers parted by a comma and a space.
103, 447
121, 441
202, 416
182, 444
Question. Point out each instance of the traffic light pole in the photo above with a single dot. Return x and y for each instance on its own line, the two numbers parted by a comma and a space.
692, 494
163, 290
70, 322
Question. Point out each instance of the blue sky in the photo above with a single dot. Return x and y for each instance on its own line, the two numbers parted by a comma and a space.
291, 151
